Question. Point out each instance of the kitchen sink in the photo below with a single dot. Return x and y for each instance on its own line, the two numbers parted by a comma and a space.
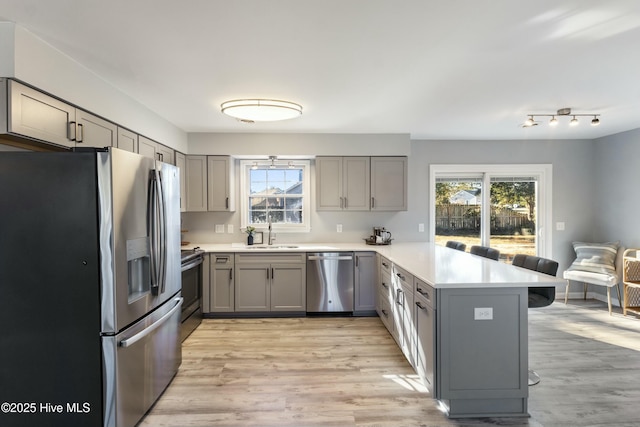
274, 247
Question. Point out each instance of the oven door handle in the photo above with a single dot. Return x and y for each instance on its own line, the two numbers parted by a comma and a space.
137, 337
191, 264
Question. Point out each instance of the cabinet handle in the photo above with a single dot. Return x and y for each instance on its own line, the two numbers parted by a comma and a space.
272, 275
398, 297
385, 313
230, 274
72, 126
345, 203
384, 285
373, 202
267, 274
420, 306
226, 203
340, 202
401, 277
422, 292
357, 258
80, 138
385, 265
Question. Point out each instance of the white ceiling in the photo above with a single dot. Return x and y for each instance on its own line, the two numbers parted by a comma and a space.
446, 69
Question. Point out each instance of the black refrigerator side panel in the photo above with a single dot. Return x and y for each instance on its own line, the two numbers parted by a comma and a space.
50, 354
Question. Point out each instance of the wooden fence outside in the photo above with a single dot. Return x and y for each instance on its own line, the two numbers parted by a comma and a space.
467, 217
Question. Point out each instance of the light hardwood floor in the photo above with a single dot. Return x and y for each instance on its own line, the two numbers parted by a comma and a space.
347, 372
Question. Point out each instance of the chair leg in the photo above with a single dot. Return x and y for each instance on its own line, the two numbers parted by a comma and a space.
566, 292
585, 291
619, 298
609, 299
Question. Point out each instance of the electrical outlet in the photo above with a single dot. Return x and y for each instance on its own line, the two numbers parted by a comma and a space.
483, 313
420, 228
560, 226
219, 228
339, 228
230, 228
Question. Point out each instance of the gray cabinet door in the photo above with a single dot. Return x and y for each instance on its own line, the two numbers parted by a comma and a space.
424, 321
222, 290
181, 163
253, 290
196, 183
220, 188
288, 290
165, 154
365, 282
147, 148
329, 184
388, 183
39, 116
127, 140
355, 183
342, 183
93, 131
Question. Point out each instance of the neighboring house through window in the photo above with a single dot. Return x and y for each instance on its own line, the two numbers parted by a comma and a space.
275, 192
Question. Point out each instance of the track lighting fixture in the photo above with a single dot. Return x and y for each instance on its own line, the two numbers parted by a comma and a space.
531, 118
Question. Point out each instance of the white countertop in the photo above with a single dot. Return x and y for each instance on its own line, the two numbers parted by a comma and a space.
438, 266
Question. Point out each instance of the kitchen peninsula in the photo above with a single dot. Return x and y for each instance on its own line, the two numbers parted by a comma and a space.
460, 319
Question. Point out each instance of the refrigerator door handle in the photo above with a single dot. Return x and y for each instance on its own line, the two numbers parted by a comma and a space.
152, 229
163, 232
140, 335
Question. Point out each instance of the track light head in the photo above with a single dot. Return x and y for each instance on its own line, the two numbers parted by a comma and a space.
528, 122
573, 122
553, 121
595, 121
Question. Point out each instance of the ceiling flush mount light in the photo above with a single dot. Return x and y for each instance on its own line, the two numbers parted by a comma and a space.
562, 112
261, 110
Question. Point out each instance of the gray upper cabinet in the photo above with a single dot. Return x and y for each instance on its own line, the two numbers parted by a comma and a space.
196, 183
127, 140
181, 163
361, 183
389, 183
342, 183
36, 115
220, 184
154, 150
93, 131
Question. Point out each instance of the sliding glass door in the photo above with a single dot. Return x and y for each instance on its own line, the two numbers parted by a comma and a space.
502, 206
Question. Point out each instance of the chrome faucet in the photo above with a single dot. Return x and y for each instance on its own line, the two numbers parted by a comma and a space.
269, 240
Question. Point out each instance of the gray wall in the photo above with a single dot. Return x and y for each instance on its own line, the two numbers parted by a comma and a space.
574, 202
617, 188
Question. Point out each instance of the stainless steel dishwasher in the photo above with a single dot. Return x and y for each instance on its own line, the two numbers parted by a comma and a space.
330, 282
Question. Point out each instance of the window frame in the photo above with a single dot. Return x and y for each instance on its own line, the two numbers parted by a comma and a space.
245, 193
543, 173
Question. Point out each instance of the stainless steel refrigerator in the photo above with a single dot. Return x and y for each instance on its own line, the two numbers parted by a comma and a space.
89, 287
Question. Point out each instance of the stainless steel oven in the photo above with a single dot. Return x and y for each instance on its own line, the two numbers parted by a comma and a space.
192, 264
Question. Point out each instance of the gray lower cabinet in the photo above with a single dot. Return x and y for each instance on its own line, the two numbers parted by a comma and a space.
270, 283
481, 363
385, 295
403, 311
365, 283
220, 297
424, 324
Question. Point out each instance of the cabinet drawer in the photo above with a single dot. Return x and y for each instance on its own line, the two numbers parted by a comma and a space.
386, 313
385, 266
427, 293
385, 287
403, 277
222, 260
280, 258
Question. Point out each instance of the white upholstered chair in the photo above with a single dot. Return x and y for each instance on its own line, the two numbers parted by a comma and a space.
596, 264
